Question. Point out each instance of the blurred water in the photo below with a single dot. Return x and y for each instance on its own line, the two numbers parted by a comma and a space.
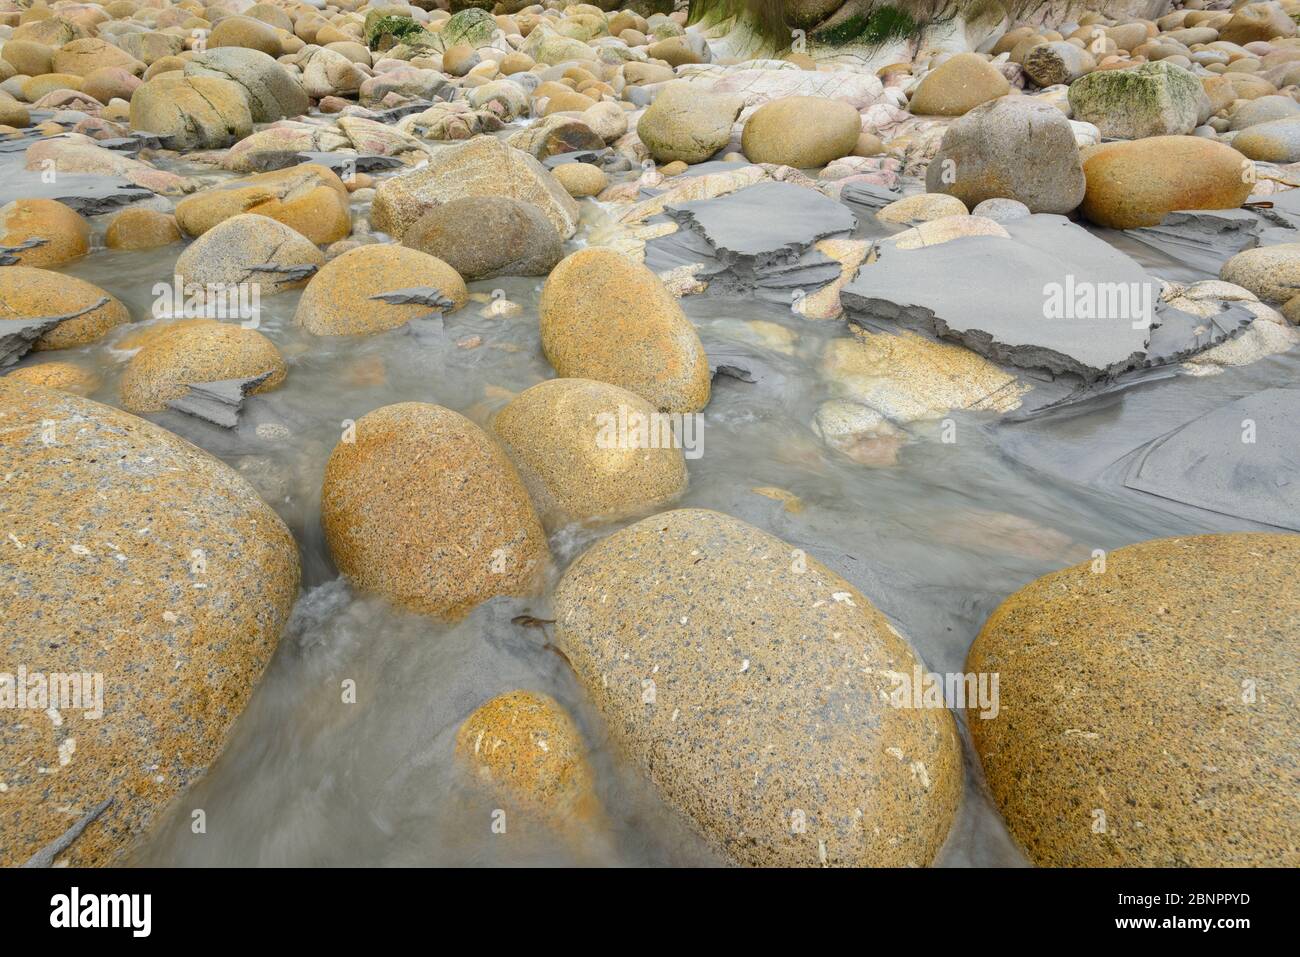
936, 542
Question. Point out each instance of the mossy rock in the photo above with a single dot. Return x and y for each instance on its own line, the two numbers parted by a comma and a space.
383, 32
473, 26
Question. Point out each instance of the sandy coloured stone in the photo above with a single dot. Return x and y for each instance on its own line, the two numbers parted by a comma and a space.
340, 299
28, 293
920, 208
141, 229
606, 317
59, 233
588, 449
1270, 272
751, 685
1146, 706
250, 249
64, 376
1137, 183
581, 179
524, 750
204, 351
801, 131
132, 555
309, 198
957, 86
422, 506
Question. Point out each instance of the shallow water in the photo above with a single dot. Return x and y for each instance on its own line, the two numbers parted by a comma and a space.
936, 541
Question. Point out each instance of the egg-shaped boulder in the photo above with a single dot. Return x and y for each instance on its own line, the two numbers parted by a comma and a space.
420, 505
1147, 706
143, 587
755, 688
606, 317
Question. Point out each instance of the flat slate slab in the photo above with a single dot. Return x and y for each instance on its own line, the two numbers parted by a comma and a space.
1240, 459
992, 295
767, 224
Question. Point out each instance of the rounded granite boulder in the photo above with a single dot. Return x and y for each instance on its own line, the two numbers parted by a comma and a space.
253, 249
57, 234
309, 198
801, 131
27, 293
150, 571
485, 236
1137, 183
1147, 706
141, 229
588, 449
420, 505
1270, 272
524, 750
958, 85
606, 317
345, 297
752, 685
198, 352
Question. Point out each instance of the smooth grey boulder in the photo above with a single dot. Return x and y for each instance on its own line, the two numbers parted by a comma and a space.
1012, 148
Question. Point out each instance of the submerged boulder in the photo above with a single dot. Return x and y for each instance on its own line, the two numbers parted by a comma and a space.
1154, 99
588, 449
752, 685
136, 558
421, 506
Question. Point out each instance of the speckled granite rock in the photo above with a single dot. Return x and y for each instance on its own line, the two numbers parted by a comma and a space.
524, 750
339, 300
206, 351
751, 684
62, 233
250, 248
484, 166
608, 318
132, 554
308, 198
1270, 272
27, 293
424, 508
64, 376
1148, 710
563, 435
485, 236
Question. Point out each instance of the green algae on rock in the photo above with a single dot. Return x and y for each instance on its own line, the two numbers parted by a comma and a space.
750, 683
1147, 706
131, 555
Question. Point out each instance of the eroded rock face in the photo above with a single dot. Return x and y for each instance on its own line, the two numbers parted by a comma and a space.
751, 685
192, 112
1147, 710
132, 555
421, 506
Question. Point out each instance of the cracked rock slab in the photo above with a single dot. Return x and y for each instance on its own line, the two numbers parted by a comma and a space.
995, 296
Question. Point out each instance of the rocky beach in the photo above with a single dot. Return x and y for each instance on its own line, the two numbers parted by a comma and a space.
649, 433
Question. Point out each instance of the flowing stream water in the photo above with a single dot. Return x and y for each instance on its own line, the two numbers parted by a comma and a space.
936, 541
